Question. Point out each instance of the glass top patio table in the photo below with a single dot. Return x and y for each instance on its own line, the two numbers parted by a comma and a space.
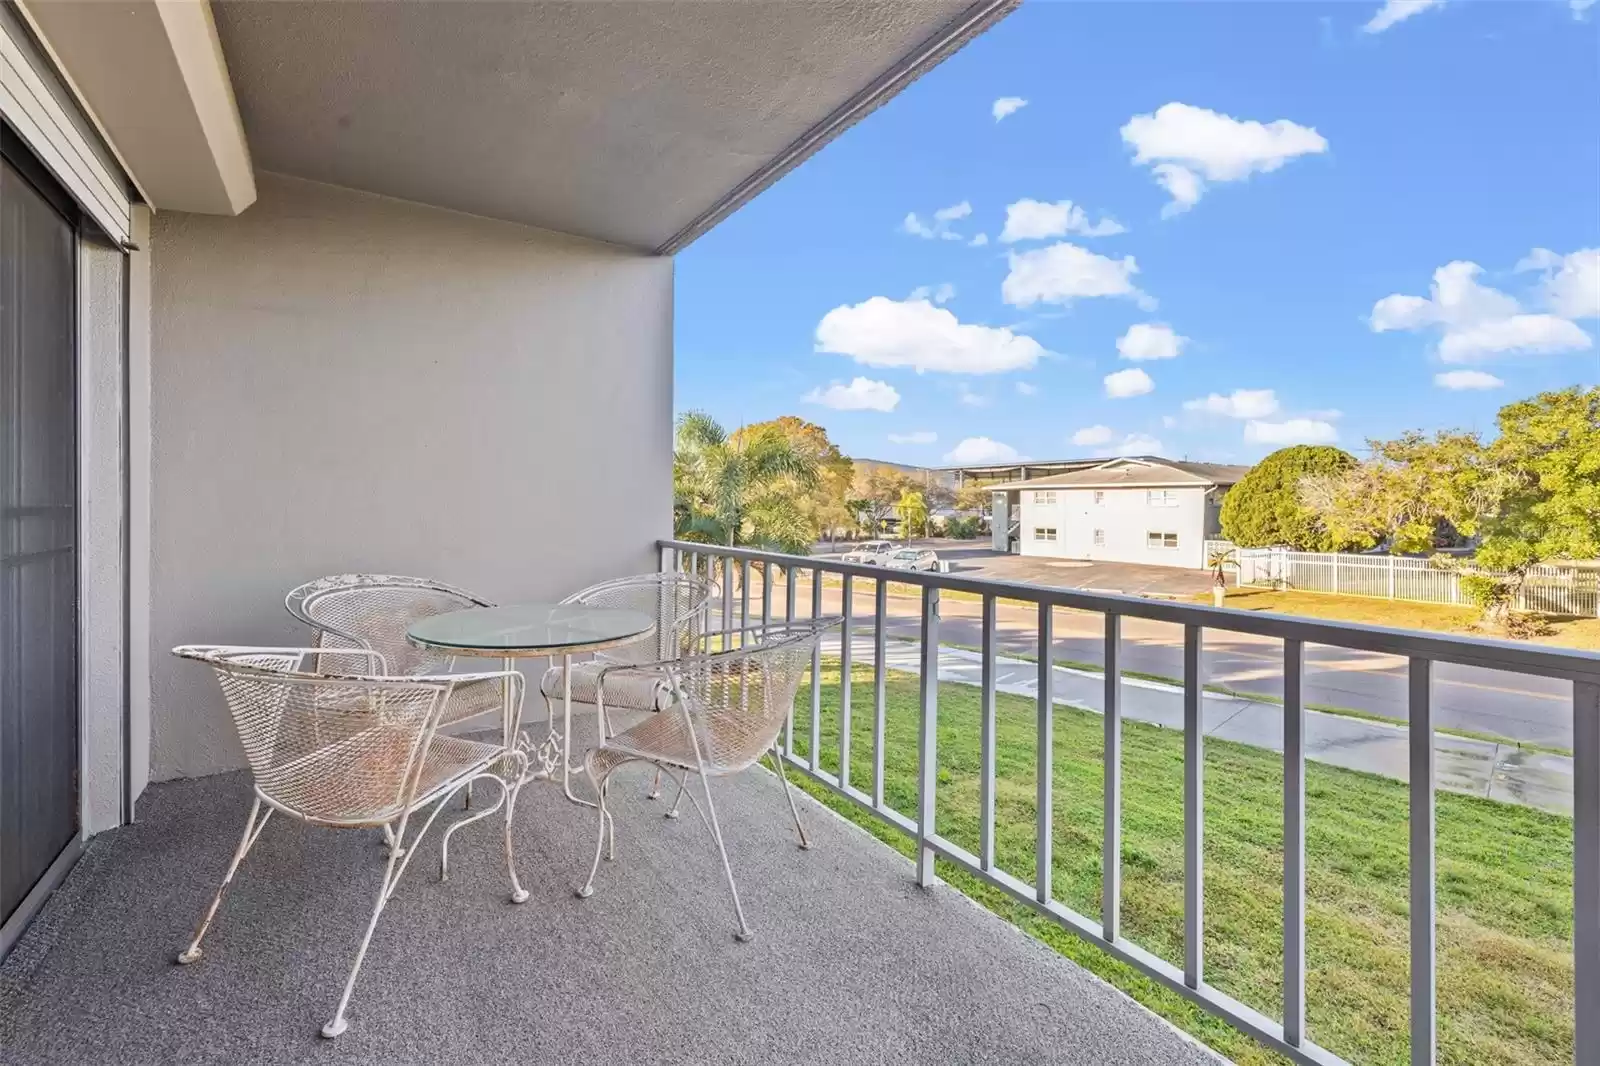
531, 629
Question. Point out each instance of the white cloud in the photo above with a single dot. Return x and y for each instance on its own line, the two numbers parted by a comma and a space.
939, 228
980, 451
1092, 436
1579, 7
1187, 146
969, 398
1064, 272
1137, 444
943, 294
1027, 388
916, 334
1292, 431
1150, 340
1477, 321
979, 241
1571, 284
1129, 382
1032, 220
1466, 379
1394, 11
920, 436
1007, 105
1240, 403
1168, 422
862, 394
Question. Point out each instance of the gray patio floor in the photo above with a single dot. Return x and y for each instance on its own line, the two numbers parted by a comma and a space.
852, 963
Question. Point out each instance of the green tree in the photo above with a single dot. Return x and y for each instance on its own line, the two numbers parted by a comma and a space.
1544, 493
879, 488
1409, 493
912, 509
739, 488
1265, 509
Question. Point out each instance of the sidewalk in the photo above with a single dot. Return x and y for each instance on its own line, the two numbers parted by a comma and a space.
1477, 767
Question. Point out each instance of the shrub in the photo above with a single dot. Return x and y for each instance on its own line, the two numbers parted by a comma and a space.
963, 527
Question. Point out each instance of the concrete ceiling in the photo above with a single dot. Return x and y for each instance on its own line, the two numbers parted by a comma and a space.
639, 122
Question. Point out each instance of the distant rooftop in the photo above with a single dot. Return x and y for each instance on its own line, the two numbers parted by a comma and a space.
1136, 471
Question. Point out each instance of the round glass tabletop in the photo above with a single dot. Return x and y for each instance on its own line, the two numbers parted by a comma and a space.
531, 629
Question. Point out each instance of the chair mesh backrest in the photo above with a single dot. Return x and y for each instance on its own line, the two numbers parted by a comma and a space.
679, 603
374, 611
745, 695
341, 749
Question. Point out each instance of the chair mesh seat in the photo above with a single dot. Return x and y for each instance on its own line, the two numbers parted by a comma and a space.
352, 781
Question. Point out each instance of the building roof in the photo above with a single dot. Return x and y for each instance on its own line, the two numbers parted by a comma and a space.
1138, 473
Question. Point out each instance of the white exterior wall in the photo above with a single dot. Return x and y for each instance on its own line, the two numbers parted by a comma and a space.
344, 382
1126, 517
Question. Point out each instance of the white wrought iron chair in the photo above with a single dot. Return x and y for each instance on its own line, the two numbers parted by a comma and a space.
728, 708
353, 751
680, 604
373, 612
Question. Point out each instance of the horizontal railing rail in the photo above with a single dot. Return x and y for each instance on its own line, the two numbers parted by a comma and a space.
1422, 652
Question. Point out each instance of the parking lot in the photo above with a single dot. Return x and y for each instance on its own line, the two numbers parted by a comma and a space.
976, 559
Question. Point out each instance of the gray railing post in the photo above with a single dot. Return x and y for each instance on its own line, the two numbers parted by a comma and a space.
1422, 857
1194, 892
814, 755
848, 603
1586, 865
792, 585
928, 735
1111, 846
880, 604
986, 780
1294, 842
1044, 772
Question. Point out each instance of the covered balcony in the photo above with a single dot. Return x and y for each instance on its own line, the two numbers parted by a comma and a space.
335, 287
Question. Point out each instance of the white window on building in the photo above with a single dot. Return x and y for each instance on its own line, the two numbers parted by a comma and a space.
1099, 538
1044, 497
1161, 540
1161, 498
1044, 532
1099, 497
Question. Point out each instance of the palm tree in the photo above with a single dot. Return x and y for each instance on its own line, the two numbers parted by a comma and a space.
740, 488
912, 510
1219, 561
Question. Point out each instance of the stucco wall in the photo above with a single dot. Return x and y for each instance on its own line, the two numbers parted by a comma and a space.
343, 382
1126, 516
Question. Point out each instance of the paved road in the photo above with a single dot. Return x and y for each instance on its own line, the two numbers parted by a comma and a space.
1475, 767
1524, 709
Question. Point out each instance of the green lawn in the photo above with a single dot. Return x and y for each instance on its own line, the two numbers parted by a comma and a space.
1504, 887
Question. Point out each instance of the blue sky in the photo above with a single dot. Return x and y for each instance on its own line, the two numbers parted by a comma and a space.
1335, 223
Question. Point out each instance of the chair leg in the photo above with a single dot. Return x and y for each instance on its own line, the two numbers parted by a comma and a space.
788, 794
601, 788
655, 786
252, 830
339, 1024
683, 787
743, 933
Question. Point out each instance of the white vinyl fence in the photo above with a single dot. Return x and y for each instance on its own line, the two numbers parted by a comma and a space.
1550, 589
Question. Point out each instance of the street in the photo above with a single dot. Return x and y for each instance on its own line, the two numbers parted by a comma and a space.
1513, 706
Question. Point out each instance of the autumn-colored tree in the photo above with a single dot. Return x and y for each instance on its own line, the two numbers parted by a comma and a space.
824, 505
878, 488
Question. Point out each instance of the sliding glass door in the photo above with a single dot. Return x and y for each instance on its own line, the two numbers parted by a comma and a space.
39, 742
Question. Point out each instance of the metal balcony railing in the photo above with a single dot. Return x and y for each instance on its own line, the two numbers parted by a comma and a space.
1422, 651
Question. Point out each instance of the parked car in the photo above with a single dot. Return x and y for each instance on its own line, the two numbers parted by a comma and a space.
913, 559
869, 553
